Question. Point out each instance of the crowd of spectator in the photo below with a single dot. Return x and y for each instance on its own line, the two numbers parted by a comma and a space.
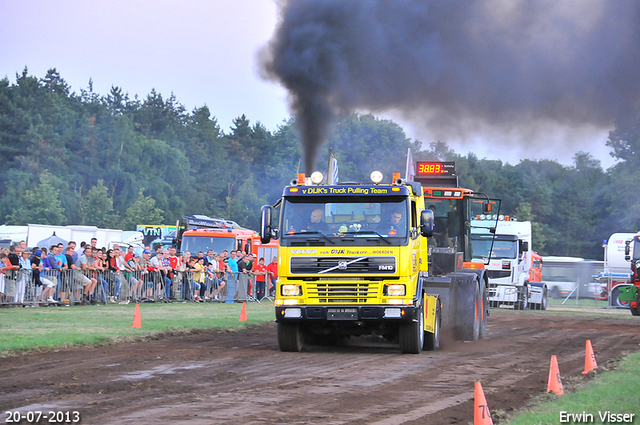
67, 275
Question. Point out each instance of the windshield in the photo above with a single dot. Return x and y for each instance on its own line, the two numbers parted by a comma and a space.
501, 248
195, 244
635, 246
325, 221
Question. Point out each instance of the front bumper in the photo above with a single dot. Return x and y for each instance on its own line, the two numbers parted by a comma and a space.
344, 314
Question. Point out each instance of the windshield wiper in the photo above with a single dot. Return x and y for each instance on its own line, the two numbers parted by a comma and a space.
370, 232
312, 232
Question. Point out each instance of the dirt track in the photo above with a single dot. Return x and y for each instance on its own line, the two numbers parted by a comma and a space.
242, 377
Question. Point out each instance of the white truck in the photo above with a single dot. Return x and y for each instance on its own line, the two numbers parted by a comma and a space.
514, 269
617, 270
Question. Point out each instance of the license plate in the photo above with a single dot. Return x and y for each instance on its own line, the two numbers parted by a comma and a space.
342, 314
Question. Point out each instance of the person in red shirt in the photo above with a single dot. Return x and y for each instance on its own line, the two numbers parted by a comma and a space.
260, 271
272, 272
129, 254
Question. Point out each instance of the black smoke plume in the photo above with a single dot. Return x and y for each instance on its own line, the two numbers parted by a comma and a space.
457, 65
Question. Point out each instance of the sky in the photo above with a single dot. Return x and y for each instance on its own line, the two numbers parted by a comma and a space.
205, 53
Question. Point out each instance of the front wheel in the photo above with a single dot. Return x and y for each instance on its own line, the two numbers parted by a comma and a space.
289, 337
411, 335
616, 301
432, 340
523, 302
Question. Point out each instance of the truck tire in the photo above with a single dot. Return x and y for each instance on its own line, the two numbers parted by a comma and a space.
482, 306
545, 301
616, 301
468, 315
411, 335
523, 299
636, 310
290, 337
432, 340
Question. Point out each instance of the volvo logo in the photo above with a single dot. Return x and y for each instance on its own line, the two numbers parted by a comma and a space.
342, 265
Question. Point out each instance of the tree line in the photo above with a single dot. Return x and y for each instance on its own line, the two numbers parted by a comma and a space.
114, 161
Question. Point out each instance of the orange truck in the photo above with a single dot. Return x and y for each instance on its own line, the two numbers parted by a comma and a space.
201, 233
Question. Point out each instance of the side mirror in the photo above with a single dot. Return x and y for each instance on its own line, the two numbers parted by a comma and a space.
487, 207
265, 224
427, 221
524, 246
627, 250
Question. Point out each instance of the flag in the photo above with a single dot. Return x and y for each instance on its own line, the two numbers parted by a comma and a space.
411, 167
333, 169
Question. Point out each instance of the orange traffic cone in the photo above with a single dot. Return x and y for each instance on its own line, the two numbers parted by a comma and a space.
589, 359
555, 383
481, 415
137, 322
243, 313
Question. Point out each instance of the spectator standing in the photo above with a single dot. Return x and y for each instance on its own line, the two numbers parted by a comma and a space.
129, 255
147, 281
13, 267
25, 276
272, 271
260, 272
232, 275
175, 262
157, 264
82, 282
39, 279
3, 270
74, 254
210, 257
99, 268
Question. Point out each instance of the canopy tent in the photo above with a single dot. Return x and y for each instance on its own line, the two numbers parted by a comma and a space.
51, 240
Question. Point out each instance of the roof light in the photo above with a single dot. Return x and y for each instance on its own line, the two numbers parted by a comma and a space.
316, 177
376, 177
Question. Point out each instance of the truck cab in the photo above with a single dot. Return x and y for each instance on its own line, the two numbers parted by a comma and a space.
351, 262
513, 269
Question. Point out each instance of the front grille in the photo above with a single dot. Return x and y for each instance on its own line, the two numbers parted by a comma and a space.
325, 292
343, 265
494, 274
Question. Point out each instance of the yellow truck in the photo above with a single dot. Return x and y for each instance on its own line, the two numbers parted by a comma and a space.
353, 260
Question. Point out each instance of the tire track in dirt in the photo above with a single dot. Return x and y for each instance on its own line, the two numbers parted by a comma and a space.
242, 377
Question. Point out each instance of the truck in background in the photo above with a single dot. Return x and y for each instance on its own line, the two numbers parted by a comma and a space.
200, 233
631, 293
514, 269
616, 273
571, 276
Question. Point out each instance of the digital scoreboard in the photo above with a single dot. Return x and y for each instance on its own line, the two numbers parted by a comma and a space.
435, 169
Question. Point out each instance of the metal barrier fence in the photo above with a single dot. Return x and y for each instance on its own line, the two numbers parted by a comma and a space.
74, 287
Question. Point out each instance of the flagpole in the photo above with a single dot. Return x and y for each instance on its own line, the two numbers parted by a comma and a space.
329, 168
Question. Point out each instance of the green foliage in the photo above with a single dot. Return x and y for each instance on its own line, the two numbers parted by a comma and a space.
143, 210
39, 205
97, 207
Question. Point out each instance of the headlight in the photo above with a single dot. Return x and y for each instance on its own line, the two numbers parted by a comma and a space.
291, 290
396, 290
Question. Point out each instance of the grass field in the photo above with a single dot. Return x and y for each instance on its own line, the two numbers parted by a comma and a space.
616, 391
27, 328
